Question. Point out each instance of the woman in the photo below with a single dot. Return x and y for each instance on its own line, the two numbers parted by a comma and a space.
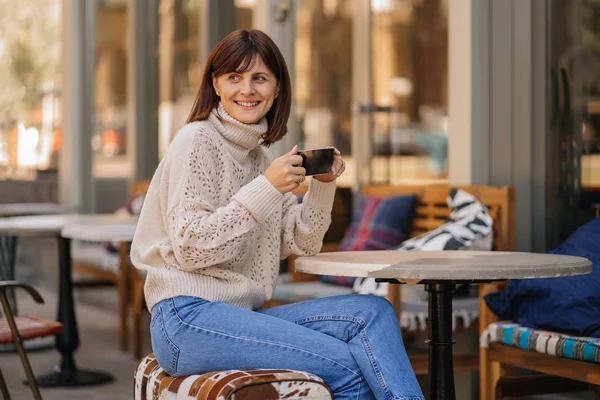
215, 223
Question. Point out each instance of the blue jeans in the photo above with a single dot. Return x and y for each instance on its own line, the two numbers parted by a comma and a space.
352, 342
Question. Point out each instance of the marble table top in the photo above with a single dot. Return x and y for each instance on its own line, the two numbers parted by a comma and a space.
414, 266
51, 225
19, 209
121, 231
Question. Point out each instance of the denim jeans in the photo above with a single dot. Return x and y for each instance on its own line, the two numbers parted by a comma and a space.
352, 342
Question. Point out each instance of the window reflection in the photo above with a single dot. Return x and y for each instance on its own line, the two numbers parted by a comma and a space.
323, 90
110, 92
409, 56
180, 71
30, 65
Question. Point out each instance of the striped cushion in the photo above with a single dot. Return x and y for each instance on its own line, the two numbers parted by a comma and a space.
552, 343
151, 382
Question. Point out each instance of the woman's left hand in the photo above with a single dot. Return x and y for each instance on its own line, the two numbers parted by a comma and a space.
337, 168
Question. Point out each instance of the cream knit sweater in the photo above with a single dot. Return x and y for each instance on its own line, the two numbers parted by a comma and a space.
212, 226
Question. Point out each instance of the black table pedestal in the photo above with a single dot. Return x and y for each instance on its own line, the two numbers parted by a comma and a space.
67, 341
439, 324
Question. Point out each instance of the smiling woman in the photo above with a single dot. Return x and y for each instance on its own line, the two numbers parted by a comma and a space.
247, 95
218, 218
248, 75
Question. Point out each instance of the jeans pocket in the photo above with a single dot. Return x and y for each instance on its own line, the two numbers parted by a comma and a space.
166, 352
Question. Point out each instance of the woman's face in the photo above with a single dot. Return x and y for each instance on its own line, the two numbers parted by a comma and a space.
248, 96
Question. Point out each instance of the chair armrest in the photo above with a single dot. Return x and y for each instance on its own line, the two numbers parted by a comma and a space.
302, 277
329, 247
486, 316
16, 284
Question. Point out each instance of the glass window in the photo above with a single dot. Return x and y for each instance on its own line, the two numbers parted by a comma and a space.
109, 140
573, 152
30, 67
180, 72
323, 73
410, 64
408, 59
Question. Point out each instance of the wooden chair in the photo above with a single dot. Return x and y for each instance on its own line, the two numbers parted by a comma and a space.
16, 329
138, 279
119, 277
499, 363
431, 212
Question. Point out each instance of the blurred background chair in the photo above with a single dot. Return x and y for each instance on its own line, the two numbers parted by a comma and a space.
99, 264
16, 329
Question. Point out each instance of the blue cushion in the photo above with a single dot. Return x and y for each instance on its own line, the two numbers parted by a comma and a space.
569, 305
377, 224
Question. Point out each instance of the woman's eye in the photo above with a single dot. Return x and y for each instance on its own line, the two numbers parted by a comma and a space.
260, 78
233, 77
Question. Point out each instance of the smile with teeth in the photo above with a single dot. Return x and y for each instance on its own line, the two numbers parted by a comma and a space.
247, 104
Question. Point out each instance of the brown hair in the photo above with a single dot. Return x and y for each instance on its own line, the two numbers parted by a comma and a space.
235, 53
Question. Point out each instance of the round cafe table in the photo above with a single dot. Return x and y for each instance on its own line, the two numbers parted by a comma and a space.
8, 244
67, 373
22, 209
440, 271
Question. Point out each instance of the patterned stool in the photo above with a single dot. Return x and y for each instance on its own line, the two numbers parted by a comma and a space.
151, 382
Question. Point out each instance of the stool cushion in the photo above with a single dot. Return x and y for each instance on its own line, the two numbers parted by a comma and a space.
151, 382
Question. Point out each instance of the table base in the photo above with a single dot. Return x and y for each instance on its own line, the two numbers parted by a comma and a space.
439, 324
73, 378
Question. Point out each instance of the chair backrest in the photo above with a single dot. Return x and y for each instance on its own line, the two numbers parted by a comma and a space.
432, 209
138, 188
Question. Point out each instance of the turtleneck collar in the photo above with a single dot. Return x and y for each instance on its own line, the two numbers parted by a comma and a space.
246, 136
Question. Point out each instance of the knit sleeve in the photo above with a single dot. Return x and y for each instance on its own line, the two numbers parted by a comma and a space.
203, 234
304, 225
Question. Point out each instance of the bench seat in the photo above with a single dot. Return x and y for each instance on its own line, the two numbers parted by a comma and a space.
544, 342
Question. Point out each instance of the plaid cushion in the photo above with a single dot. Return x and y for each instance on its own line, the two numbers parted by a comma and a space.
469, 227
378, 224
151, 382
545, 342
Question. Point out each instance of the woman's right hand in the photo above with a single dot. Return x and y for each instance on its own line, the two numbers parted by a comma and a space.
285, 172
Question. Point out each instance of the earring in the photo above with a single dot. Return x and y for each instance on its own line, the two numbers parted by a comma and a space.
217, 92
